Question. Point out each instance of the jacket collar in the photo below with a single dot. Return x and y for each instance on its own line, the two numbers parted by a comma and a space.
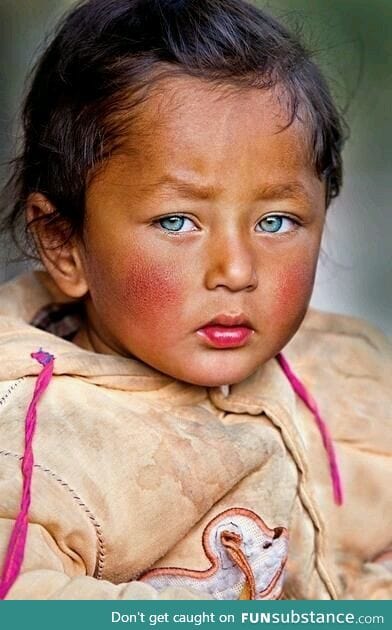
267, 387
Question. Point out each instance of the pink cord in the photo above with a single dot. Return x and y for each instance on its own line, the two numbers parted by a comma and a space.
16, 546
303, 393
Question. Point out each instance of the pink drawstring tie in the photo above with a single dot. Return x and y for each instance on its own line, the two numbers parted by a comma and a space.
16, 546
303, 393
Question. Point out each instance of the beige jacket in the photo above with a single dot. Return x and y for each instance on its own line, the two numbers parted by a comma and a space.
131, 467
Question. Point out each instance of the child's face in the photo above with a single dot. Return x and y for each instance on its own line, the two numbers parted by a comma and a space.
211, 215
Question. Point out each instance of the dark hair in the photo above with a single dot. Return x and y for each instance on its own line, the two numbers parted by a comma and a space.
106, 51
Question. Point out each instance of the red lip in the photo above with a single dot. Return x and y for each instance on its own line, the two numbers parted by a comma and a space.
226, 331
225, 336
229, 320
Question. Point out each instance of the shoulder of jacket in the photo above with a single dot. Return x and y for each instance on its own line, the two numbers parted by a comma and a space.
321, 324
22, 296
347, 365
328, 344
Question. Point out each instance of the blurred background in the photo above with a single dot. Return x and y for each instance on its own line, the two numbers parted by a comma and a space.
353, 45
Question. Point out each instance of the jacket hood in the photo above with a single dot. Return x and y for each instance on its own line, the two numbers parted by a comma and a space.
20, 300
321, 335
23, 297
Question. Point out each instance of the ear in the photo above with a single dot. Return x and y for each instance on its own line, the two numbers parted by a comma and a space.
62, 256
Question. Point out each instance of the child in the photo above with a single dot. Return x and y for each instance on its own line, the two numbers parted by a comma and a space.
178, 162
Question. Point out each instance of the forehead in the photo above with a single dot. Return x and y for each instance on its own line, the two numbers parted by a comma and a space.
218, 136
186, 112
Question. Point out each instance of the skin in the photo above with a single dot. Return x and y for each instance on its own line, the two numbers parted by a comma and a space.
221, 160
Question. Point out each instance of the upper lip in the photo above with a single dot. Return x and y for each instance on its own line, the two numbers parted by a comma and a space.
229, 321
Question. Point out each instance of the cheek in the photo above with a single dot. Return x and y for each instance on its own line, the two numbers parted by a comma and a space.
293, 288
151, 291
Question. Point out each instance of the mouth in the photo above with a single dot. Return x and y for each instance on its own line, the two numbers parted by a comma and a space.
226, 331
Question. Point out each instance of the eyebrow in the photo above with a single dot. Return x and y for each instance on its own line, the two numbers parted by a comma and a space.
186, 187
202, 191
283, 191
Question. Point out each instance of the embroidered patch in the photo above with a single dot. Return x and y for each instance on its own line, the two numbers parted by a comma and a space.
247, 559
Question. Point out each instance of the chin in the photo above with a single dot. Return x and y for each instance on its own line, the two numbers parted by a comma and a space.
217, 377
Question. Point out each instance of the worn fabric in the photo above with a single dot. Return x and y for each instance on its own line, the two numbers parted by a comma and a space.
132, 466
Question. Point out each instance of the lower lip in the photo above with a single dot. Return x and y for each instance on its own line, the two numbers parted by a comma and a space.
225, 336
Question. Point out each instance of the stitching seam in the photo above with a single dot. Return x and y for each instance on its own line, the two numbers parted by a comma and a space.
98, 530
306, 499
9, 391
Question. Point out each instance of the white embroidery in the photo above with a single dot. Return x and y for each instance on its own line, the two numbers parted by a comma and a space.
247, 560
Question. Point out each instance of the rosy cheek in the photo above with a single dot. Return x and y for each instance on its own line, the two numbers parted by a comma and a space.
150, 291
293, 288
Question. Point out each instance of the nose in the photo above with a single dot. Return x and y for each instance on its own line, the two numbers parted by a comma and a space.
278, 531
231, 264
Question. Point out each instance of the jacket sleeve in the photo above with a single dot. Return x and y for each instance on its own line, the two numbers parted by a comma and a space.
47, 574
372, 580
62, 551
347, 365
370, 470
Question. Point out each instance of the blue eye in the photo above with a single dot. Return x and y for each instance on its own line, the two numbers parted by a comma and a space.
176, 223
274, 224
